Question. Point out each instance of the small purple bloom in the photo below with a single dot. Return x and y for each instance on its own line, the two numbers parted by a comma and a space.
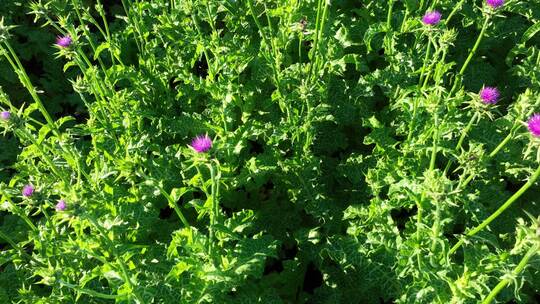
28, 190
201, 143
495, 3
534, 125
5, 115
63, 41
489, 95
61, 206
431, 18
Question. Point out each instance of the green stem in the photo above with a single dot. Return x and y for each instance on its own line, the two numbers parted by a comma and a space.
316, 42
501, 209
492, 154
402, 28
462, 138
471, 55
18, 248
215, 205
435, 143
428, 52
90, 292
300, 40
135, 25
418, 224
173, 204
88, 37
318, 39
475, 47
421, 6
272, 61
25, 80
454, 11
19, 212
411, 124
519, 268
389, 15
502, 144
23, 133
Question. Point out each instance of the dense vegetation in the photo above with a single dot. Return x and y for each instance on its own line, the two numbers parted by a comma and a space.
270, 151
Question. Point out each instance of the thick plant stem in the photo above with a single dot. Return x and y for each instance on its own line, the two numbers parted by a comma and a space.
454, 11
389, 16
493, 153
18, 248
90, 292
475, 47
502, 144
316, 42
471, 55
321, 27
435, 144
173, 204
462, 138
519, 268
498, 212
411, 124
215, 205
424, 66
25, 80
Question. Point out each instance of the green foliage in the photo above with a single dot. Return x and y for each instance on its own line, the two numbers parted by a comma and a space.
352, 160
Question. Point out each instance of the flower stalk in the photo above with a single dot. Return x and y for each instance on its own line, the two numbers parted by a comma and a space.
498, 212
519, 268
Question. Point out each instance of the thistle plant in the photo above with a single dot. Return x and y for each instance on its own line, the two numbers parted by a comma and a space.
269, 151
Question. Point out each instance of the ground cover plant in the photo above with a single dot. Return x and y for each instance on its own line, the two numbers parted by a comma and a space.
299, 151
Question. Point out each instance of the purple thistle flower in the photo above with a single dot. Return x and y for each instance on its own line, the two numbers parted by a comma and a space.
495, 3
489, 95
201, 143
5, 115
63, 41
534, 125
28, 190
431, 18
61, 206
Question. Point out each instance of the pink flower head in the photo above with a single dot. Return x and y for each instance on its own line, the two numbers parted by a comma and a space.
431, 18
61, 206
489, 95
201, 143
63, 41
5, 115
534, 125
28, 190
495, 3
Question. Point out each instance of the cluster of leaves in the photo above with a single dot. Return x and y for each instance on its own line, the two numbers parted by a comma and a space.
33, 45
350, 154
